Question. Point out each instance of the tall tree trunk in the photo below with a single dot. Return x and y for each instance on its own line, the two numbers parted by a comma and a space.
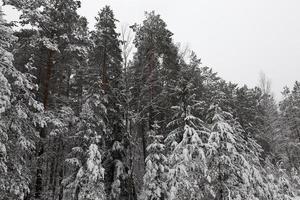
47, 80
151, 66
61, 189
40, 152
104, 70
61, 171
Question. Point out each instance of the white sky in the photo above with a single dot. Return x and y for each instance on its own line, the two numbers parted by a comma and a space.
237, 38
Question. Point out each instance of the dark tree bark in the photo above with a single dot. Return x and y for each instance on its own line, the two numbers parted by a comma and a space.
39, 172
104, 70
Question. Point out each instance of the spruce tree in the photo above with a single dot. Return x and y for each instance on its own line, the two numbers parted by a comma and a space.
229, 169
187, 160
187, 141
154, 185
289, 116
106, 63
20, 115
234, 165
85, 178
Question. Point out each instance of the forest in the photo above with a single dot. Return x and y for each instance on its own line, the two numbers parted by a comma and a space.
102, 115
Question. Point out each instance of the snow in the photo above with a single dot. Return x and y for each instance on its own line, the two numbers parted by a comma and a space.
4, 93
94, 163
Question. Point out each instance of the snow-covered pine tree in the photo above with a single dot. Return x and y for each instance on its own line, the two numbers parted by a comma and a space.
85, 178
57, 41
288, 138
153, 42
290, 112
187, 141
229, 169
277, 182
234, 161
20, 114
188, 134
154, 185
187, 160
106, 63
92, 176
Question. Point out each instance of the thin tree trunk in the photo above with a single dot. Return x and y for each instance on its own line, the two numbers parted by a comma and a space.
77, 191
142, 129
47, 81
54, 179
104, 70
61, 188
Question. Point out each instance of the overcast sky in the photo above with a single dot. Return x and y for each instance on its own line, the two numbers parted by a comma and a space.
237, 38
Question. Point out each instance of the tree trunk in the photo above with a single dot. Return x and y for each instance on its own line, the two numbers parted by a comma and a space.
104, 70
40, 152
47, 80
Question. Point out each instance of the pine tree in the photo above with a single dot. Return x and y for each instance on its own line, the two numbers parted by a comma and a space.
107, 52
187, 140
85, 178
58, 47
288, 143
229, 169
106, 62
91, 176
270, 116
152, 63
271, 124
234, 162
248, 109
187, 160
